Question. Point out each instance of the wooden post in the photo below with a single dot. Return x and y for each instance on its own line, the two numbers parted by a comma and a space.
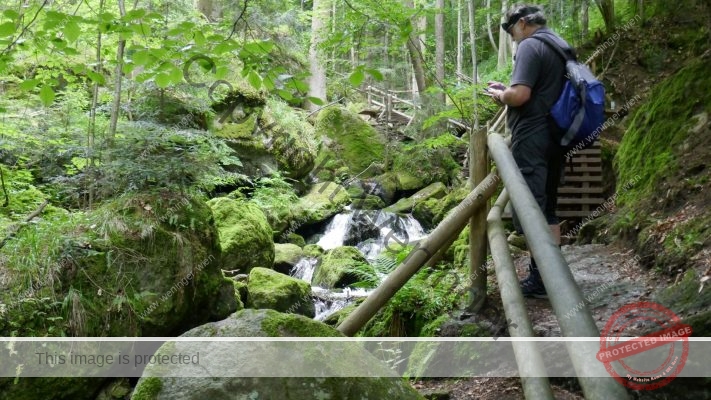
388, 106
455, 222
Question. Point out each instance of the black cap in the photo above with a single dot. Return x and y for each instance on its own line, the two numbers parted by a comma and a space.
520, 13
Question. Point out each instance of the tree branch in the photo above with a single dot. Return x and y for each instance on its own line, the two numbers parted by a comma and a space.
24, 29
239, 18
16, 228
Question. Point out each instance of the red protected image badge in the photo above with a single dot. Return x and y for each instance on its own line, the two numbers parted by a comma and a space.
644, 345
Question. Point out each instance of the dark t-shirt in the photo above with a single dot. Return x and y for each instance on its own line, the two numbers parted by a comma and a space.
540, 68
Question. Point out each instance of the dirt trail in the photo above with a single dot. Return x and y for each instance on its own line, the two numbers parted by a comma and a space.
609, 278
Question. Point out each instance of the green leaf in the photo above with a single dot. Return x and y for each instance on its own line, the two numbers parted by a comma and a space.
199, 38
285, 94
377, 75
315, 100
96, 77
254, 79
72, 31
134, 14
141, 57
29, 84
11, 14
46, 94
163, 80
226, 46
221, 72
357, 77
176, 75
7, 29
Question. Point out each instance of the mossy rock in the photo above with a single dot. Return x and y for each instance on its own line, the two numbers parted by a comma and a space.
245, 234
655, 144
313, 250
241, 293
685, 300
336, 268
427, 161
269, 323
291, 139
286, 256
369, 202
431, 212
295, 238
407, 181
354, 141
436, 190
164, 248
276, 291
384, 186
323, 201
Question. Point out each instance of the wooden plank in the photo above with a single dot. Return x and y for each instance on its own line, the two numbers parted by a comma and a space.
570, 190
584, 178
583, 169
574, 214
585, 200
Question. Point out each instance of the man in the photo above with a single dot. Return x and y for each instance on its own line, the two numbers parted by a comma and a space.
536, 84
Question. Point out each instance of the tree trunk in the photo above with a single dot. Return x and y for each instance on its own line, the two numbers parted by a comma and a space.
472, 39
585, 20
91, 134
116, 106
439, 46
504, 39
460, 40
477, 172
416, 56
607, 9
210, 9
488, 27
317, 80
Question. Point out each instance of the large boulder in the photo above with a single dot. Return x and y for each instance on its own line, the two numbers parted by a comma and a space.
245, 234
431, 212
353, 141
337, 268
323, 201
286, 256
270, 289
140, 265
271, 137
436, 190
268, 323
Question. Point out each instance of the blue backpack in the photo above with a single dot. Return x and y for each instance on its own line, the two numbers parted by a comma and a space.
580, 109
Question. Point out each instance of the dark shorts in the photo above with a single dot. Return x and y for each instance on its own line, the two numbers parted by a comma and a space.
540, 161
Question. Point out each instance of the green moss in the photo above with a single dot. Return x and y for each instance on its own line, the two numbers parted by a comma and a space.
289, 325
295, 238
293, 143
241, 292
336, 268
649, 150
436, 190
245, 234
323, 201
431, 212
313, 250
147, 389
276, 291
244, 130
287, 253
355, 142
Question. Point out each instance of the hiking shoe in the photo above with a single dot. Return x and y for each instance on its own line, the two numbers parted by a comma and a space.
532, 287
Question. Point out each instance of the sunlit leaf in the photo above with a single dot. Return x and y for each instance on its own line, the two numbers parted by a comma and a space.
134, 14
11, 14
254, 79
285, 94
315, 100
72, 31
29, 84
7, 29
46, 95
377, 75
357, 77
96, 77
163, 80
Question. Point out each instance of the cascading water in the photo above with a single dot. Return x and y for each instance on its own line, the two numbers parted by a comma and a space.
370, 232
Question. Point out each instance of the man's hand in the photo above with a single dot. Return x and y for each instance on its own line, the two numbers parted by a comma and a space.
496, 85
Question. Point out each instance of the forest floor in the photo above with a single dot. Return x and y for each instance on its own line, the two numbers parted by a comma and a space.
608, 276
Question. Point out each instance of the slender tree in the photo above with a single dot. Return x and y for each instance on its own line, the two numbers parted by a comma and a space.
460, 39
488, 27
116, 106
504, 39
439, 45
317, 80
607, 9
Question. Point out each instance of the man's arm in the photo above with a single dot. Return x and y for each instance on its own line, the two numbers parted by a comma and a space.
515, 96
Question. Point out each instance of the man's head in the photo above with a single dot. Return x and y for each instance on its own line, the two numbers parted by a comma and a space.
522, 20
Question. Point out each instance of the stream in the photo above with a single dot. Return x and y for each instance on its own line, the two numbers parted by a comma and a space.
370, 232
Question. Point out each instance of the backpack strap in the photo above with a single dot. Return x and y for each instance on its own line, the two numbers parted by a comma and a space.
567, 55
